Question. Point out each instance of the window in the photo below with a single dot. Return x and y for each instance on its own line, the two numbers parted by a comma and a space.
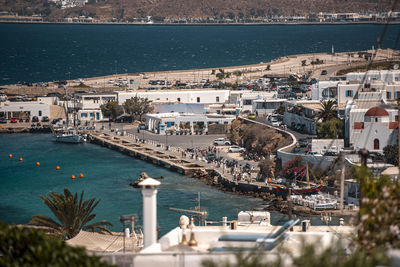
376, 144
349, 93
376, 119
388, 95
247, 102
217, 99
198, 100
40, 113
396, 118
396, 94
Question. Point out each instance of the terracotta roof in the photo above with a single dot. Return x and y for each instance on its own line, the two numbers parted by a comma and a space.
358, 125
376, 112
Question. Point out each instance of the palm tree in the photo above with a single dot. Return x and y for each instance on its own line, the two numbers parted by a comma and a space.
73, 215
327, 111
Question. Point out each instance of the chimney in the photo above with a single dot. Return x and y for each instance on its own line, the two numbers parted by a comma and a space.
149, 192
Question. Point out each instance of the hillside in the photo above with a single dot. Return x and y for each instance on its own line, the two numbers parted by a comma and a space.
129, 9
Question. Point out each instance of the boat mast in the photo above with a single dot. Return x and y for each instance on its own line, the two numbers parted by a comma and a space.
308, 176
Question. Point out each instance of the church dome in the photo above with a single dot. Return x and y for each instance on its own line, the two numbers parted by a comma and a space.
376, 112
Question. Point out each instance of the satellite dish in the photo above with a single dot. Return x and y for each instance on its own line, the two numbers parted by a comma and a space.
396, 66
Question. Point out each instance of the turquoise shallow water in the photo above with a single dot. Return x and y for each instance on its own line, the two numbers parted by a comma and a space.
107, 176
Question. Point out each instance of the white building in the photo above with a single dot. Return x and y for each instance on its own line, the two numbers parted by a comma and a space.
321, 146
159, 123
324, 90
299, 115
181, 96
88, 105
25, 110
246, 98
267, 106
385, 81
371, 126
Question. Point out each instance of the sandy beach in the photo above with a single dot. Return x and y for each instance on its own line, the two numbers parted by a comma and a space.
283, 66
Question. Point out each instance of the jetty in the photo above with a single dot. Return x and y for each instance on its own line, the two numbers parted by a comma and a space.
213, 174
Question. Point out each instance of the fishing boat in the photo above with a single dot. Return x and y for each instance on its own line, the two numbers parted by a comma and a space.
307, 190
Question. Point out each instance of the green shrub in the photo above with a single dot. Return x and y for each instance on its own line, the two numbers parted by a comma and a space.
32, 247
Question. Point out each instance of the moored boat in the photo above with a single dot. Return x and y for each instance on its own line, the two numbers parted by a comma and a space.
68, 136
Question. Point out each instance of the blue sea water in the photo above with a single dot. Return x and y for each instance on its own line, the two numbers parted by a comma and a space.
45, 52
107, 176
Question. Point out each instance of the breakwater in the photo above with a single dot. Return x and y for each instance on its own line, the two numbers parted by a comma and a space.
11, 129
208, 173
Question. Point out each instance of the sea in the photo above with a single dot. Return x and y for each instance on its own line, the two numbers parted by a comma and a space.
107, 174
46, 52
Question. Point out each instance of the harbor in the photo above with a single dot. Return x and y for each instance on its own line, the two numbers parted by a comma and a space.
214, 173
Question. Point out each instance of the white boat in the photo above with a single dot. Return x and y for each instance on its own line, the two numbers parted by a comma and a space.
68, 136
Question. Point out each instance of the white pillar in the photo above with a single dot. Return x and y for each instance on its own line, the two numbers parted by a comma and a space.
149, 192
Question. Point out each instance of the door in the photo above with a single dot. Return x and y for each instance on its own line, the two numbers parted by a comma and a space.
376, 144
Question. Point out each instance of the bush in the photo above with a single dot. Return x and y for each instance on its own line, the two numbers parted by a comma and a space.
31, 247
391, 154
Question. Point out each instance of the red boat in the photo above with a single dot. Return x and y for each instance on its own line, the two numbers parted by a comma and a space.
300, 191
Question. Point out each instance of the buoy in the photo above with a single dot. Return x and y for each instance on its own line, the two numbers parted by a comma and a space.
58, 168
81, 175
10, 156
21, 159
38, 163
72, 177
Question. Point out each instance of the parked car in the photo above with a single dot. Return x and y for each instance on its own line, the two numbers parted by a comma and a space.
124, 118
221, 142
236, 149
211, 157
252, 116
35, 119
296, 150
56, 120
324, 72
13, 120
45, 119
142, 126
3, 120
302, 142
331, 153
313, 153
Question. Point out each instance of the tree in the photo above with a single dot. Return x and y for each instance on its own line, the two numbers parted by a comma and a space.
268, 67
327, 111
111, 110
333, 129
137, 106
266, 168
221, 74
304, 62
379, 224
391, 154
73, 215
31, 247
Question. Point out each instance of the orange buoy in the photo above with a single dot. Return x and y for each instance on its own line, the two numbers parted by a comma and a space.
57, 167
38, 163
72, 177
81, 175
10, 156
21, 159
